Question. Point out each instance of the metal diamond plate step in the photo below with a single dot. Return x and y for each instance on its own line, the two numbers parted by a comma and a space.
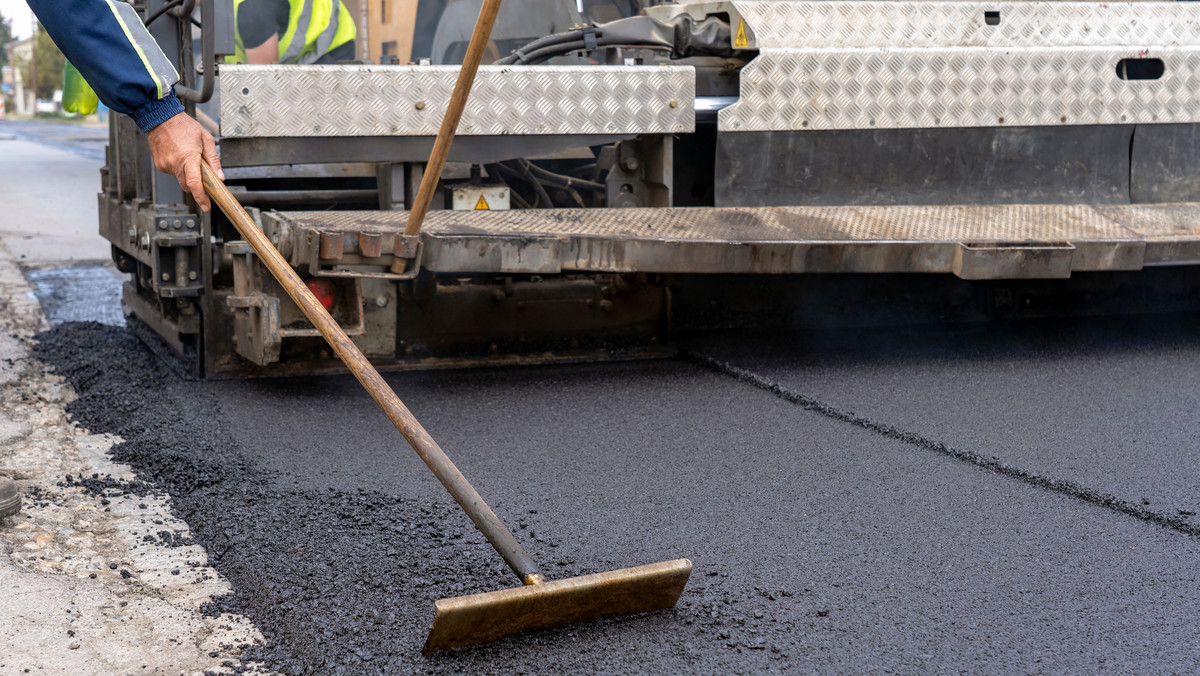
855, 24
359, 100
911, 65
1023, 241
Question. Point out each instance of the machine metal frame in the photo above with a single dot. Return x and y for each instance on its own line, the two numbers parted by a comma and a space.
991, 141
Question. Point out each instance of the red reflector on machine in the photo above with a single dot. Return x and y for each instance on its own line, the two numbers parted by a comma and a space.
323, 290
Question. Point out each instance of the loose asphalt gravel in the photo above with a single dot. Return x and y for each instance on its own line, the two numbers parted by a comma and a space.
820, 543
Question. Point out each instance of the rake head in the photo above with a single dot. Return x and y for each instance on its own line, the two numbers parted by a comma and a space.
480, 618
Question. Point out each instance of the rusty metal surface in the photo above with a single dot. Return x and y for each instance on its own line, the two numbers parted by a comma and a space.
479, 618
780, 239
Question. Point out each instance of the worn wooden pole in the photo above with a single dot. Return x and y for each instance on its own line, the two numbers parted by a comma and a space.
454, 111
454, 481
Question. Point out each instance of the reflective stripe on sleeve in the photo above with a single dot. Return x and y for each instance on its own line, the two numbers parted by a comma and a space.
157, 65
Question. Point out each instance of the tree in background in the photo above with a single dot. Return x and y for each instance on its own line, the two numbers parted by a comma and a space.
5, 39
50, 64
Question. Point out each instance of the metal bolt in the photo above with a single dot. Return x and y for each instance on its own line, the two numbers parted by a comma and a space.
162, 225
132, 235
420, 105
177, 224
381, 301
674, 104
606, 305
166, 276
192, 275
191, 223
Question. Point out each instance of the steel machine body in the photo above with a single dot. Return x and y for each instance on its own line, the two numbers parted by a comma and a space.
597, 175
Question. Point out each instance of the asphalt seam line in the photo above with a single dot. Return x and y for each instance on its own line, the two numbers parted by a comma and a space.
992, 464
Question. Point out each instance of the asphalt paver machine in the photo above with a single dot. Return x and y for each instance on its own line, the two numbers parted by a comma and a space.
604, 171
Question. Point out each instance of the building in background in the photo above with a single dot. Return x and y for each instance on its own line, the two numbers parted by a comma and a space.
11, 81
390, 28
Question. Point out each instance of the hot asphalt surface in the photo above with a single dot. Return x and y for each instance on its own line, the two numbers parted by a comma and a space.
819, 544
1011, 498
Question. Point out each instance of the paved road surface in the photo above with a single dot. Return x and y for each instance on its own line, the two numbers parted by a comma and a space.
1014, 498
49, 177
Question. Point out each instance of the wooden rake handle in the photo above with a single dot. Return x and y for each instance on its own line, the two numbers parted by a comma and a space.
454, 481
458, 102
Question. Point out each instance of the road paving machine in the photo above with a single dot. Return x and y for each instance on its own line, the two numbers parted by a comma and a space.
624, 169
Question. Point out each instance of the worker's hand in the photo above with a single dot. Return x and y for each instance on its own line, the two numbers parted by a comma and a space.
178, 146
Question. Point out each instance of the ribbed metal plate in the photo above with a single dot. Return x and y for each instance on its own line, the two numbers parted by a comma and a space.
785, 90
905, 65
795, 25
778, 239
356, 100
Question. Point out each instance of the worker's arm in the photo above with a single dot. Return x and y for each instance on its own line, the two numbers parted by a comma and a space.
106, 42
267, 52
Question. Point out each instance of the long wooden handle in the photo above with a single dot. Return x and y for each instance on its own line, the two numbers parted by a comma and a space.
454, 481
458, 101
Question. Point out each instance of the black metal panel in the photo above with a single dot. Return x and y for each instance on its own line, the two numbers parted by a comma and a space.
1165, 163
250, 152
1019, 165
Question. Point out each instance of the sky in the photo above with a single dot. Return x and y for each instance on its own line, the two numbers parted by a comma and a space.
22, 18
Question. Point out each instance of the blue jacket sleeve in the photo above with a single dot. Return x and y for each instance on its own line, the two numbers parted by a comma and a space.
106, 42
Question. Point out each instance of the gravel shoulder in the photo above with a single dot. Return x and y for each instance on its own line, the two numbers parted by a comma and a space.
96, 573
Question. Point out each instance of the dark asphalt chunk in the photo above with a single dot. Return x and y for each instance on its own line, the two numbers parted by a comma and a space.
818, 545
1110, 404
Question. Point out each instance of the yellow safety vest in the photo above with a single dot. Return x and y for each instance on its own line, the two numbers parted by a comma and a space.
315, 28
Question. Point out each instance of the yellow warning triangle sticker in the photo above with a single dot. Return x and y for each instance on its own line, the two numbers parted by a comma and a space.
482, 203
739, 39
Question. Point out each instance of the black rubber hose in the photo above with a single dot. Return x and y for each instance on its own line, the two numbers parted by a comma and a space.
519, 55
682, 35
567, 181
549, 52
494, 172
537, 185
162, 10
554, 39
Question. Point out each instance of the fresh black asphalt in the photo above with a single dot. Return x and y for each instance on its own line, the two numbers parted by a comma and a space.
819, 544
1110, 404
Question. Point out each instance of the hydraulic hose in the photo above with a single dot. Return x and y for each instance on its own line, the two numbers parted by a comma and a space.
683, 36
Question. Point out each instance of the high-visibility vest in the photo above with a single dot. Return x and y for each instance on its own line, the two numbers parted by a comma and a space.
315, 28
